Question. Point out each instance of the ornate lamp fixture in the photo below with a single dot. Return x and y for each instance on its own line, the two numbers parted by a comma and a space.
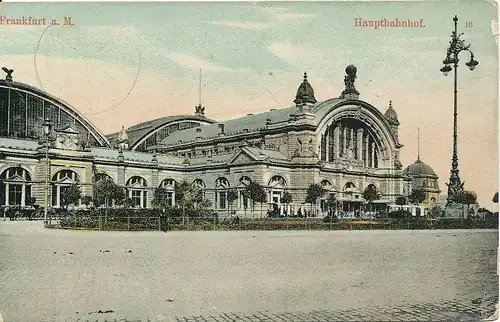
455, 186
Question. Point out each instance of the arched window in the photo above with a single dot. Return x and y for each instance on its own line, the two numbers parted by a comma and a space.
169, 185
137, 191
15, 187
243, 200
61, 181
277, 186
221, 189
102, 176
326, 184
199, 183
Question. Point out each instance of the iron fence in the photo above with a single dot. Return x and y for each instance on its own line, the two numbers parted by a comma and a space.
158, 221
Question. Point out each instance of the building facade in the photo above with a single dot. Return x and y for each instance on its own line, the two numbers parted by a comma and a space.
344, 144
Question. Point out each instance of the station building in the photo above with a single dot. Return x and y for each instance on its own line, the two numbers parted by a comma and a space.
344, 144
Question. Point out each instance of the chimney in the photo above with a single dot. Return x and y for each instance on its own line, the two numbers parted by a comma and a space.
221, 127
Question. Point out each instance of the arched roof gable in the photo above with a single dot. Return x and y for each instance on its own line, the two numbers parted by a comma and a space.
96, 133
327, 109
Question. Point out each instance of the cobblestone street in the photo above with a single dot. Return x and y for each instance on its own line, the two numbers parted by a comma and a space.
56, 275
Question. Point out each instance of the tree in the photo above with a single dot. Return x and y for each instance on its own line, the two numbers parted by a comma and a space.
370, 194
160, 198
232, 195
105, 191
466, 198
256, 193
331, 203
70, 195
401, 200
435, 211
417, 196
314, 192
86, 200
286, 199
190, 199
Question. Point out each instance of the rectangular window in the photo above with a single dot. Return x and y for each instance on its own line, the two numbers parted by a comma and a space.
66, 120
52, 113
15, 194
222, 199
17, 115
170, 198
136, 197
35, 117
4, 113
323, 147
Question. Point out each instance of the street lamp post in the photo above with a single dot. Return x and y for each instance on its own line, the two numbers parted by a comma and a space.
47, 126
455, 186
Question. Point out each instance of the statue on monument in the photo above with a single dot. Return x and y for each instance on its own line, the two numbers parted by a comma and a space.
350, 91
200, 110
9, 72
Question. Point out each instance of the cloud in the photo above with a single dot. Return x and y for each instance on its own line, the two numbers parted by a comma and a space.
274, 13
282, 13
242, 24
111, 32
193, 62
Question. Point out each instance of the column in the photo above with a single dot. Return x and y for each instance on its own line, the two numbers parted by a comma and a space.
373, 154
365, 142
360, 144
7, 194
58, 196
327, 144
23, 195
344, 148
336, 139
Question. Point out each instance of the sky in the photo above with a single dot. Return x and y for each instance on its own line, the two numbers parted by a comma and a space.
124, 63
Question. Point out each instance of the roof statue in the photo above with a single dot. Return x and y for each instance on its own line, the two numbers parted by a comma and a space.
122, 137
350, 91
391, 115
199, 110
9, 72
305, 93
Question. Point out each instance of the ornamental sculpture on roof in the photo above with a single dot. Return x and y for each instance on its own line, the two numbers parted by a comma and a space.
350, 91
199, 110
9, 72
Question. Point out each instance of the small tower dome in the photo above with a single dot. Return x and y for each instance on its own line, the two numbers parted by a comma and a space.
391, 115
305, 93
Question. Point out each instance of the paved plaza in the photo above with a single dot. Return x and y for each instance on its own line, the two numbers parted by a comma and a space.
57, 275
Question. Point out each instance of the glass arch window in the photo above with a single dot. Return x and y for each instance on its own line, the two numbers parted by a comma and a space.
221, 189
15, 187
169, 185
137, 191
61, 181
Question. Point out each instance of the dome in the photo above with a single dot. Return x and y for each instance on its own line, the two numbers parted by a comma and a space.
305, 93
391, 115
419, 169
